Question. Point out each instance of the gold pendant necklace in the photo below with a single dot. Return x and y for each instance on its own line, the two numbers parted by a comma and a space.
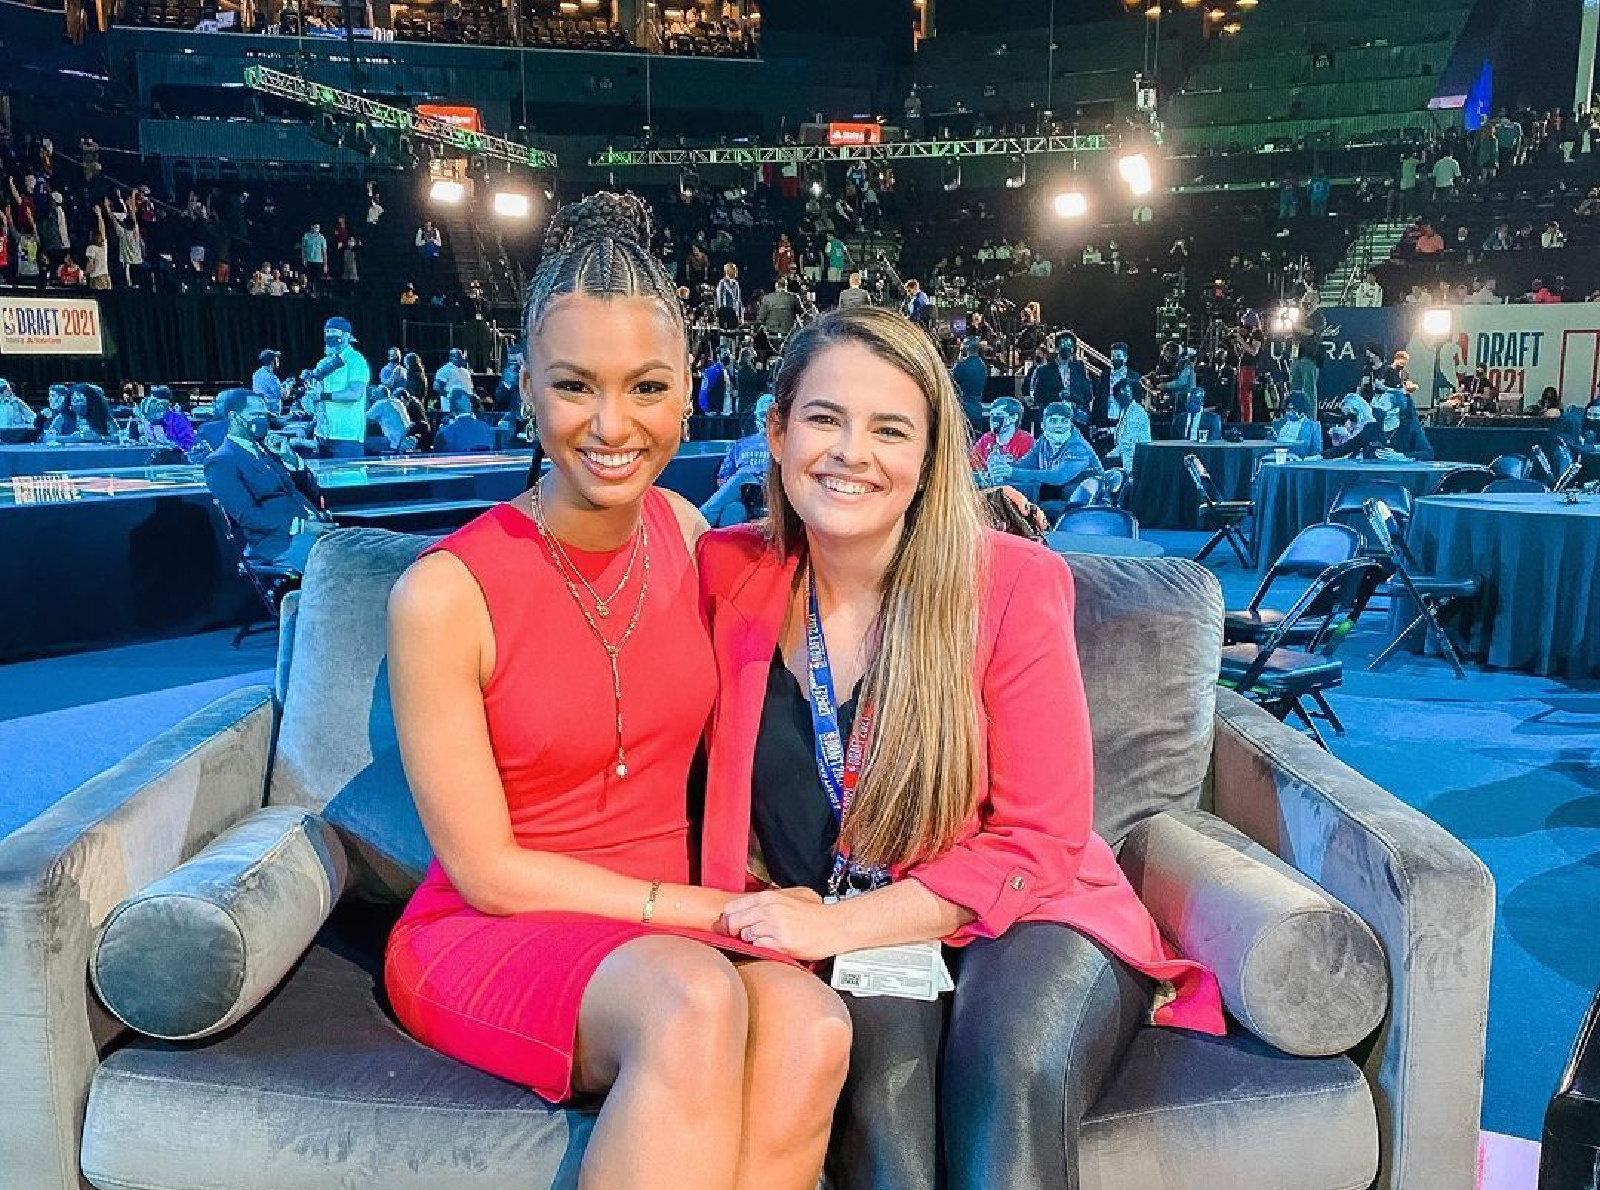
613, 651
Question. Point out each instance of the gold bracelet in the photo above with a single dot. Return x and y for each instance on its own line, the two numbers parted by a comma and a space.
650, 902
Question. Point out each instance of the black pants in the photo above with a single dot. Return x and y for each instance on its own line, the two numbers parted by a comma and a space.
990, 1098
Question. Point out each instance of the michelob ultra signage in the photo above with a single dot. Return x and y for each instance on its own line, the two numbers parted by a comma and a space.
855, 134
50, 326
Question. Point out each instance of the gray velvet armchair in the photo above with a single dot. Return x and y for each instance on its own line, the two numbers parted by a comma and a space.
318, 1088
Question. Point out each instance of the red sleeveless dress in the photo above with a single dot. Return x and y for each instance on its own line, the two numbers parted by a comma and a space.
502, 993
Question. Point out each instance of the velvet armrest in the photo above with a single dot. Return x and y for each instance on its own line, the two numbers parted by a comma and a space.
1428, 899
63, 873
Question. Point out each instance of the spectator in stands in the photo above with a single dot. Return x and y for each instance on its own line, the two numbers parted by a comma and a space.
96, 258
265, 382
1429, 241
429, 242
265, 488
409, 295
971, 376
462, 432
171, 421
54, 236
1541, 294
314, 255
1288, 197
1484, 295
729, 301
1410, 167
745, 465
852, 294
917, 306
1318, 190
1059, 459
837, 258
716, 385
68, 274
778, 311
393, 373
1446, 173
15, 413
749, 379
31, 266
1369, 293
1004, 438
416, 382
452, 374
1297, 430
1553, 236
783, 257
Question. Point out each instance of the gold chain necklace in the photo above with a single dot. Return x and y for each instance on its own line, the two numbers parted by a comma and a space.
602, 606
613, 651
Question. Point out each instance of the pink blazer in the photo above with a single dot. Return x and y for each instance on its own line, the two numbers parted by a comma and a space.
1029, 853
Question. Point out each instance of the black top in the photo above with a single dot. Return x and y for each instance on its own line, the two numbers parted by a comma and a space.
789, 810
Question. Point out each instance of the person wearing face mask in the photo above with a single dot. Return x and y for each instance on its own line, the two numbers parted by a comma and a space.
1197, 423
1359, 434
1063, 379
1132, 429
1005, 437
1399, 429
1297, 430
266, 381
15, 413
1061, 456
1115, 387
265, 488
744, 466
342, 378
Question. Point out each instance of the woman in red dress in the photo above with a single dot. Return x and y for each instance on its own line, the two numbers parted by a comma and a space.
901, 714
551, 679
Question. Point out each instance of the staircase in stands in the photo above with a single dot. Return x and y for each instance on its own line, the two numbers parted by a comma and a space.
1374, 242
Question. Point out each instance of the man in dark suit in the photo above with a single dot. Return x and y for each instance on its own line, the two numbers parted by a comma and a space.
1114, 387
463, 432
1063, 379
265, 488
1197, 423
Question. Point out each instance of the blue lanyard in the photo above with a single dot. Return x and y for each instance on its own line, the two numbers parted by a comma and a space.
837, 765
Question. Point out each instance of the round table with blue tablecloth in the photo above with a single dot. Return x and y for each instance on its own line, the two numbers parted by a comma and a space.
1103, 546
1538, 558
1164, 497
1290, 496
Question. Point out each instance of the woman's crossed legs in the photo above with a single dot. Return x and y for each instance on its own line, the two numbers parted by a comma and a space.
721, 1074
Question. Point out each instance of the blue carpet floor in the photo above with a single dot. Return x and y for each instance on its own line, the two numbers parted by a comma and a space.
1509, 763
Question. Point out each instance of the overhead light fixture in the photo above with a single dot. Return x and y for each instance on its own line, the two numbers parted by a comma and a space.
1072, 204
1135, 171
1216, 14
1153, 12
816, 189
1190, 3
1438, 322
512, 204
447, 190
1245, 4
1232, 27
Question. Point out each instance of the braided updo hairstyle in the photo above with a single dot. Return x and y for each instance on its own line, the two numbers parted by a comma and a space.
600, 246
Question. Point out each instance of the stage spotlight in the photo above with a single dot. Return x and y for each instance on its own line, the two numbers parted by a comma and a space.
447, 190
512, 204
1135, 171
1438, 323
1281, 323
1072, 204
816, 189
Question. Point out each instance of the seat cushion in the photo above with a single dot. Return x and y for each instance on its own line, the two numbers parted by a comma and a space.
1187, 1112
1148, 631
321, 1089
1286, 669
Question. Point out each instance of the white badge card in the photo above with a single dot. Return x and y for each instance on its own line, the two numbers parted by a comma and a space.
915, 971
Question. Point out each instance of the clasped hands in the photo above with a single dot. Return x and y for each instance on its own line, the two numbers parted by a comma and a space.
794, 921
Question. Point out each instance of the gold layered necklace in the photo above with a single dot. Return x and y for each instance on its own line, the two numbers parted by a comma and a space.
566, 569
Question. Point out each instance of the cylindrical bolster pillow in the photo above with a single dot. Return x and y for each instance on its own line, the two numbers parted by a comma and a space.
1296, 967
192, 953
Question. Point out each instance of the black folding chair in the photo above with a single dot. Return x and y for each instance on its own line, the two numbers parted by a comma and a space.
1099, 521
1084, 493
1510, 467
1432, 594
1515, 485
1569, 475
1114, 487
1282, 679
270, 581
1228, 515
1464, 481
1313, 550
1543, 469
1347, 506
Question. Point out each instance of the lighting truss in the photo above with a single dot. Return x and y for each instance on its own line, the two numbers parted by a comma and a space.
988, 146
384, 115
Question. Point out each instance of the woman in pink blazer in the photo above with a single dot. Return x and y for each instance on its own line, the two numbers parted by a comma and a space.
901, 716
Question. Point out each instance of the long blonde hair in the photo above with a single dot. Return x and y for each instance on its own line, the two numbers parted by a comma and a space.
919, 780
